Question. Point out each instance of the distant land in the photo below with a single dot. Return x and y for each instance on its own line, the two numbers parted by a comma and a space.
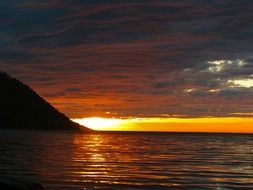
22, 108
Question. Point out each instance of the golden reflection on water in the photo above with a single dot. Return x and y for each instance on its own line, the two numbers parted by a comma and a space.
132, 161
88, 153
89, 146
125, 160
103, 159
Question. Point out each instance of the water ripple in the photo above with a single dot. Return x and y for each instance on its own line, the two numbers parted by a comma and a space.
129, 161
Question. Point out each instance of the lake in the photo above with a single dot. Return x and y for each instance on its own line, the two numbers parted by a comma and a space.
61, 160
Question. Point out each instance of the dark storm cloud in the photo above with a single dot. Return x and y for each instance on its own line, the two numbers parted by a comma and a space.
118, 53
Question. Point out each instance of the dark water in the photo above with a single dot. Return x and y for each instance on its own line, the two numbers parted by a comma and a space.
129, 161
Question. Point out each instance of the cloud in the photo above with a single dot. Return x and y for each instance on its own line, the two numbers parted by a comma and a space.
135, 58
72, 89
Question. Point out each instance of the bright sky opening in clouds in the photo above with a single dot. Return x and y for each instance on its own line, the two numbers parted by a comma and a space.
247, 83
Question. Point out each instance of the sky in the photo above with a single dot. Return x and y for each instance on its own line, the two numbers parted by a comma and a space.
133, 59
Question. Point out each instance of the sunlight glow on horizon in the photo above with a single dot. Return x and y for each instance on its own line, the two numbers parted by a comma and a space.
98, 123
209, 124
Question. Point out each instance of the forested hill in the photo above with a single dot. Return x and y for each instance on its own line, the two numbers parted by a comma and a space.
22, 108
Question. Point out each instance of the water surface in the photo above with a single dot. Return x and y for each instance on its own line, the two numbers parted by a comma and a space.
128, 160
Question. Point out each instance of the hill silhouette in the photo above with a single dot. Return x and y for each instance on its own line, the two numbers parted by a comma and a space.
23, 108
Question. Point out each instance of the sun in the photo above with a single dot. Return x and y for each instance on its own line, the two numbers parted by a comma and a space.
99, 123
